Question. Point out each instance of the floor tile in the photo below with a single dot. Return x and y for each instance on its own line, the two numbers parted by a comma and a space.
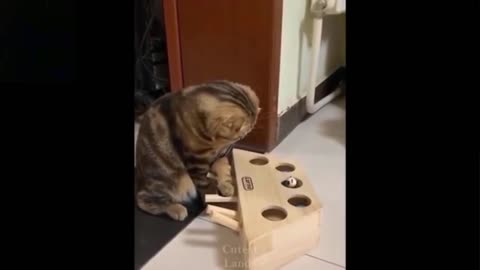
318, 144
204, 245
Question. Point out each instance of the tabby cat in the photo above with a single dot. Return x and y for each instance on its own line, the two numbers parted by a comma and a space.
181, 135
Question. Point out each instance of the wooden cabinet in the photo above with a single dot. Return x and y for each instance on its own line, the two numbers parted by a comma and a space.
237, 40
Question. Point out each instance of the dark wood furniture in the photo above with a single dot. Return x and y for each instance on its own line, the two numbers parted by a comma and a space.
238, 40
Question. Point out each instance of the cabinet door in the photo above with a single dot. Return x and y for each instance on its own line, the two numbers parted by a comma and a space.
237, 40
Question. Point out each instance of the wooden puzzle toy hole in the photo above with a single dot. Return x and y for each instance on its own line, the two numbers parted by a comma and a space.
259, 161
292, 182
300, 201
285, 167
274, 213
258, 221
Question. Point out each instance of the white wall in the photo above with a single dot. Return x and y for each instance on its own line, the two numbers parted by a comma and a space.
296, 50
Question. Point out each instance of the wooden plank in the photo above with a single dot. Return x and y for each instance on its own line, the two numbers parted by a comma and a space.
170, 8
224, 220
214, 198
224, 211
238, 41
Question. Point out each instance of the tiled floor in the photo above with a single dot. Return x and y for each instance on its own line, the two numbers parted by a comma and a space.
319, 144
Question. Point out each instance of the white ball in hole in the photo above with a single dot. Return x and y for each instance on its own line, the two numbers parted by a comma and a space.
292, 182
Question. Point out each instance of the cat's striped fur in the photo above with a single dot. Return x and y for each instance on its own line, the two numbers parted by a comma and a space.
180, 137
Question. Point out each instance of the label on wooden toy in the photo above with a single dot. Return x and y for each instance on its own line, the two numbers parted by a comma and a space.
247, 183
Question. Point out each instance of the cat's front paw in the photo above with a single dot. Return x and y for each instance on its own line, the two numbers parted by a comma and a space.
226, 189
201, 181
177, 211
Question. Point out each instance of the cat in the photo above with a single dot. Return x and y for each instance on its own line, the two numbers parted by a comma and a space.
181, 135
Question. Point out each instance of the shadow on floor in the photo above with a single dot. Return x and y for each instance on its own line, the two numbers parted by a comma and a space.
335, 128
152, 233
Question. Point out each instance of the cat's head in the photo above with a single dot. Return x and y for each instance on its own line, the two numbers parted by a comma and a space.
232, 113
